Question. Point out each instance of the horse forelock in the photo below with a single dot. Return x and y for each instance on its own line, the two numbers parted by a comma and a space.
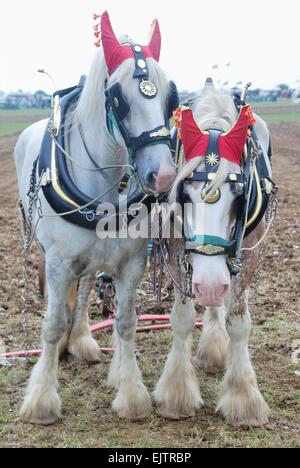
215, 109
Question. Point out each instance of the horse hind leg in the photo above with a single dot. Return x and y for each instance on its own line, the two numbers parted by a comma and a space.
63, 343
212, 353
42, 404
80, 342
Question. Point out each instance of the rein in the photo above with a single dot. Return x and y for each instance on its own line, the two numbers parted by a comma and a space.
95, 164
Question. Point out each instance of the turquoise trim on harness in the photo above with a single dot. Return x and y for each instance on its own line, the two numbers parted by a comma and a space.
210, 240
112, 123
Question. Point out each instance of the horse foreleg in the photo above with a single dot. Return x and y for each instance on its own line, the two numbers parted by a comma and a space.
81, 344
177, 393
212, 353
42, 404
240, 400
133, 400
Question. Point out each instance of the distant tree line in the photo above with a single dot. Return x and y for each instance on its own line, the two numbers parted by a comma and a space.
24, 100
253, 95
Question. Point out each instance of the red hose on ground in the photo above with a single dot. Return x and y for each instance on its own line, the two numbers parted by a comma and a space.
104, 326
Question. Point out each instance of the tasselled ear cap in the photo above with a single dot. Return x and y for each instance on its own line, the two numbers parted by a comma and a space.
116, 53
231, 144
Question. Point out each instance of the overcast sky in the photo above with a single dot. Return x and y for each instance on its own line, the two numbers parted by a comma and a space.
259, 38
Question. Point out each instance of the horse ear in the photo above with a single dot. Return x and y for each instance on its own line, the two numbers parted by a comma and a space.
209, 83
195, 140
111, 46
155, 40
232, 144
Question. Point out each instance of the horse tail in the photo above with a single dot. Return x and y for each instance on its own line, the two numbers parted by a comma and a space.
73, 296
42, 277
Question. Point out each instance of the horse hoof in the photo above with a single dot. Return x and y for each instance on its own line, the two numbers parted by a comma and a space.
173, 414
44, 411
85, 349
183, 396
134, 405
212, 354
244, 409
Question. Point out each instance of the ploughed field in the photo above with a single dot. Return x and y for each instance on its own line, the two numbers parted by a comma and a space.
88, 420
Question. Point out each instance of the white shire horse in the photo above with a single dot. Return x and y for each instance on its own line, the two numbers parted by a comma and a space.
72, 252
227, 322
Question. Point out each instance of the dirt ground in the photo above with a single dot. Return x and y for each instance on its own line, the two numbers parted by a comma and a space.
88, 420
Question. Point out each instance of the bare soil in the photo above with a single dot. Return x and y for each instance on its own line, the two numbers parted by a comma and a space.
88, 420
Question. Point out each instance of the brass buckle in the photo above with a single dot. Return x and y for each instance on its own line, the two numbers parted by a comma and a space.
123, 186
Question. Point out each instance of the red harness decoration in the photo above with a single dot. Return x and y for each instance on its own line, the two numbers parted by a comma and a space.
116, 53
196, 141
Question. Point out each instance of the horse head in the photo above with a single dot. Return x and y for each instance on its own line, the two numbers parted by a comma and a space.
213, 188
140, 102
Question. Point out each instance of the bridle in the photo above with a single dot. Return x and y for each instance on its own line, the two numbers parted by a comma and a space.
56, 181
118, 108
252, 203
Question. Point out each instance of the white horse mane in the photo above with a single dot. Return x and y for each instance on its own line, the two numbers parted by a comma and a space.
214, 108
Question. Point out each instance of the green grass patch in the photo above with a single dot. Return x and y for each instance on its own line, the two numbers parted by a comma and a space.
8, 129
24, 113
279, 103
282, 117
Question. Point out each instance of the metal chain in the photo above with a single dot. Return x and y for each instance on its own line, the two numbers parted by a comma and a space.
185, 276
27, 241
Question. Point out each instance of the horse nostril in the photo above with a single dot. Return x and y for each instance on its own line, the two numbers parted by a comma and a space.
151, 180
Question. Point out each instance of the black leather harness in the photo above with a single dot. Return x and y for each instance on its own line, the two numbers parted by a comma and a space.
246, 211
68, 199
87, 217
117, 108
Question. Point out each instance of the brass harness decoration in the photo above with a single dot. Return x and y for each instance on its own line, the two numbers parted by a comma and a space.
163, 132
210, 249
148, 88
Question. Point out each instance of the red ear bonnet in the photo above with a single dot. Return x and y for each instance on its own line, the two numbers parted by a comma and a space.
231, 144
195, 141
116, 53
155, 41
